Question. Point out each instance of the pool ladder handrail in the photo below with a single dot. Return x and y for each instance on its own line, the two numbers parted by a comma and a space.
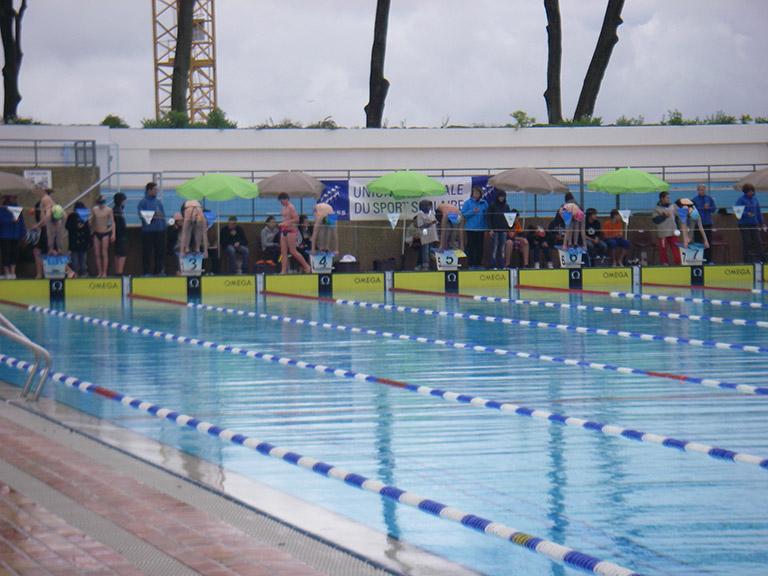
9, 330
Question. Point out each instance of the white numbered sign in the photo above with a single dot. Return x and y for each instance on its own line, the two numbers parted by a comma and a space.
322, 262
447, 260
693, 255
191, 265
572, 258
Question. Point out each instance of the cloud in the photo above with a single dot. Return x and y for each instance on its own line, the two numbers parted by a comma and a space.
469, 62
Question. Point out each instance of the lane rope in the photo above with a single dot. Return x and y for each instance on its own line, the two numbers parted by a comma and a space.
628, 433
557, 552
712, 301
707, 382
563, 327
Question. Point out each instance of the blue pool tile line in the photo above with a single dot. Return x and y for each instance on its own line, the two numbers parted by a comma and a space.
668, 442
557, 552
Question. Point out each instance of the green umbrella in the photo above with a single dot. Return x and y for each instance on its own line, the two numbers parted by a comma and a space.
406, 184
217, 187
628, 181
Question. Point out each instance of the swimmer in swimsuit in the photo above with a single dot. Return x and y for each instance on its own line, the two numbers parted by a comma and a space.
325, 226
288, 233
102, 223
193, 229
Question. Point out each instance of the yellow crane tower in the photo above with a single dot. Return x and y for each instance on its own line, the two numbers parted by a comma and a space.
201, 95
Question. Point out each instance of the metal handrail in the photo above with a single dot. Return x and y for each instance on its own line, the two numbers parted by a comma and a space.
9, 330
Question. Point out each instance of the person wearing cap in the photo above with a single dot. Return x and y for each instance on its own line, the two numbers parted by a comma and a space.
666, 227
79, 232
474, 210
173, 243
451, 228
750, 223
193, 236
152, 231
574, 230
121, 232
102, 223
687, 215
706, 206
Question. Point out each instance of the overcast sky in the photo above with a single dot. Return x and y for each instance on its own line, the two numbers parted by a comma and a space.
449, 61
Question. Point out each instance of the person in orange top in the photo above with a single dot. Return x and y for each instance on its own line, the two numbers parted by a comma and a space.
613, 235
516, 240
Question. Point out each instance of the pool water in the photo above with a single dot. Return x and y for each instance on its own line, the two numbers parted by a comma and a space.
641, 505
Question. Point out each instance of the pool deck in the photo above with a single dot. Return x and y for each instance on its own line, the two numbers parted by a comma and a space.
71, 504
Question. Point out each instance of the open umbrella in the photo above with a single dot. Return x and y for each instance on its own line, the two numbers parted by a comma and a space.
406, 184
528, 180
628, 181
217, 187
295, 184
758, 179
11, 183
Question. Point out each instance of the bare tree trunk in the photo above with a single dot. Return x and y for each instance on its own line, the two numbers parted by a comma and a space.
555, 52
602, 55
379, 86
183, 57
10, 30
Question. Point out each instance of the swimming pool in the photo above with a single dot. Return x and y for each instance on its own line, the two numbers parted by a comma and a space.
644, 505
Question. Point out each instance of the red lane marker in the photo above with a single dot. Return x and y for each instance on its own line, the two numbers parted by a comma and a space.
11, 303
665, 375
304, 296
156, 299
691, 287
526, 287
106, 392
391, 382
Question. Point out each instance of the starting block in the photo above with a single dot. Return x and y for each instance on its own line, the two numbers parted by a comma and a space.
321, 263
55, 266
571, 258
693, 255
448, 260
191, 265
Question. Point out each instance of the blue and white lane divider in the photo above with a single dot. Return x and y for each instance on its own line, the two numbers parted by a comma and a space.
712, 301
564, 327
627, 311
628, 433
707, 382
557, 552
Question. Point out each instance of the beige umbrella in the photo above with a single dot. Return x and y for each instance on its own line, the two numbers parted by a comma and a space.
11, 183
758, 179
528, 180
296, 184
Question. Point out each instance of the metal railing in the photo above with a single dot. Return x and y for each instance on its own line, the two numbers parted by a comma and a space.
48, 153
9, 330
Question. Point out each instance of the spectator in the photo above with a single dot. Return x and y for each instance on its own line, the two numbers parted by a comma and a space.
613, 232
537, 239
450, 232
516, 240
426, 222
12, 230
304, 236
214, 259
288, 234
575, 227
473, 210
497, 223
233, 243
270, 239
705, 204
103, 224
596, 247
121, 232
153, 231
750, 223
79, 240
666, 229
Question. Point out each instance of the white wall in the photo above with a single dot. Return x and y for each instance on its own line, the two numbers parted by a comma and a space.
484, 150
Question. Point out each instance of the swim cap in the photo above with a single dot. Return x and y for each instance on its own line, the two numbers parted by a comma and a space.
694, 215
57, 212
579, 216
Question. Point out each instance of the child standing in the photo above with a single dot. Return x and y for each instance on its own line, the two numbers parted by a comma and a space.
426, 221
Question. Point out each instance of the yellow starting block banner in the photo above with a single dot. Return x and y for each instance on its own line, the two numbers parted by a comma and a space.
26, 291
353, 282
223, 285
737, 276
174, 288
423, 281
667, 275
607, 279
93, 288
546, 278
291, 283
482, 279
